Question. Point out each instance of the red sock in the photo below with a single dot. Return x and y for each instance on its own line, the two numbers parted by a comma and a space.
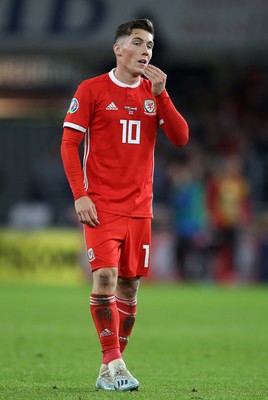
127, 312
106, 319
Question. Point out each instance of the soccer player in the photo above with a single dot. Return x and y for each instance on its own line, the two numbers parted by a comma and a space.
117, 115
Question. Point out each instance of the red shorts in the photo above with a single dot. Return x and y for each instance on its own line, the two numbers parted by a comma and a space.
121, 242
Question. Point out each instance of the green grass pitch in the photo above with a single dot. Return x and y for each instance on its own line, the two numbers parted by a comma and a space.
189, 343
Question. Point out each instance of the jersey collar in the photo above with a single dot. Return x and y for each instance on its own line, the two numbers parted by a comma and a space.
117, 82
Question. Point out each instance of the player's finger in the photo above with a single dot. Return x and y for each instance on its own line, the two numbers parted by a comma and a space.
90, 218
155, 76
94, 221
89, 222
94, 215
151, 69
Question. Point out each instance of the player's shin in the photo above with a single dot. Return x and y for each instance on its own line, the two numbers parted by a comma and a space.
127, 311
106, 319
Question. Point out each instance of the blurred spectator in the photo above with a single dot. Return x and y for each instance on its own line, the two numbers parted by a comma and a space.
189, 216
229, 211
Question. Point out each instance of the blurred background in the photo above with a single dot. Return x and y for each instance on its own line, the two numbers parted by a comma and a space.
210, 198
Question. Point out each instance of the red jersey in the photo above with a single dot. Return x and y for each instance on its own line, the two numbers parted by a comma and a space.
119, 123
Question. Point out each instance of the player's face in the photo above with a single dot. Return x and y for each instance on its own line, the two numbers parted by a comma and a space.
134, 52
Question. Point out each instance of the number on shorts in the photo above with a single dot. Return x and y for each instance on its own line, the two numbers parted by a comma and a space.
146, 247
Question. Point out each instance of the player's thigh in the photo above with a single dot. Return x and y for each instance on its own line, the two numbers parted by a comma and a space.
135, 253
103, 242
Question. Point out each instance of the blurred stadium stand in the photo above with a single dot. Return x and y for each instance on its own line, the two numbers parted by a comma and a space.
211, 198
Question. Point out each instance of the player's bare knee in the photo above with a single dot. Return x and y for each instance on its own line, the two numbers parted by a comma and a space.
104, 280
127, 287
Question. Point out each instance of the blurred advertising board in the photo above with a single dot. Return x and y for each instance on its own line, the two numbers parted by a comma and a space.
188, 27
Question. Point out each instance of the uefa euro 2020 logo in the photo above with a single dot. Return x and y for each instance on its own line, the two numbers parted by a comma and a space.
73, 106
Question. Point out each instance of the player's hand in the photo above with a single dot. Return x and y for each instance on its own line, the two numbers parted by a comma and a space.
86, 211
157, 77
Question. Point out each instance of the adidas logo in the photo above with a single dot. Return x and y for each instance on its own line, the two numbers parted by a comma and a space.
111, 106
106, 332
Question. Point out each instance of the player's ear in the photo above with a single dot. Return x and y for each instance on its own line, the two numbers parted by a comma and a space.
117, 49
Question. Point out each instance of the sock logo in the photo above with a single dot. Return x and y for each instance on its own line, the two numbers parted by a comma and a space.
106, 332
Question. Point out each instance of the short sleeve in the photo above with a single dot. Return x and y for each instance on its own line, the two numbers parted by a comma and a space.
80, 110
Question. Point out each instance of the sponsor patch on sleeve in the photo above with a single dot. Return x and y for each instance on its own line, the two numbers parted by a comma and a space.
73, 106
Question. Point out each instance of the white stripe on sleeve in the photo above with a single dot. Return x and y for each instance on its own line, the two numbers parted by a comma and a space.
74, 126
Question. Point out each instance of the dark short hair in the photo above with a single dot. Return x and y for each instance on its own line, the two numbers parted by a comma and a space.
126, 28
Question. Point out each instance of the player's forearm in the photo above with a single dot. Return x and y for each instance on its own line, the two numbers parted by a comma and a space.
174, 125
72, 165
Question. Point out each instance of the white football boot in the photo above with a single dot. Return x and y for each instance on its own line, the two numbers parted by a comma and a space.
105, 380
123, 380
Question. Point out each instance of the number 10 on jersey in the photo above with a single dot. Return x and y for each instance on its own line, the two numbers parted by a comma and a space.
131, 131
